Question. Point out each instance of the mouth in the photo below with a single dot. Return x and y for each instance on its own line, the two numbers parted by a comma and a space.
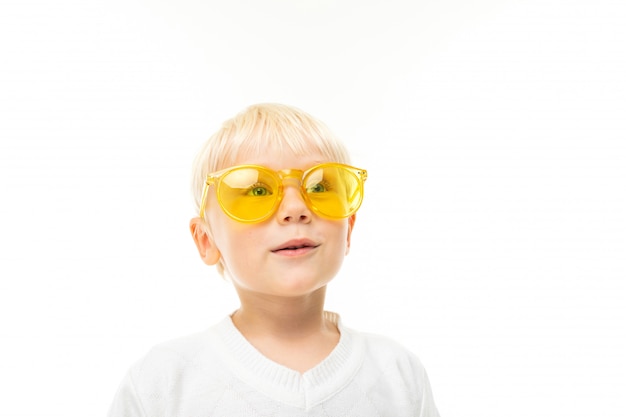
296, 247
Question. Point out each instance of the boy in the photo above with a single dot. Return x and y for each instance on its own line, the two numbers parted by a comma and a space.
276, 203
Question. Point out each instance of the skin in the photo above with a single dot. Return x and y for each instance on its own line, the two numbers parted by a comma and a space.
282, 291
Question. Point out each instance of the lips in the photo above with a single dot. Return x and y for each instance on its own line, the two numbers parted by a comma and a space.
296, 246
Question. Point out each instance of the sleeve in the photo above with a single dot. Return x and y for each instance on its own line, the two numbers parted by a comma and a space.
126, 402
428, 408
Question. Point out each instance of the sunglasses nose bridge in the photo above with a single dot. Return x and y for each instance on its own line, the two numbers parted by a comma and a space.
291, 177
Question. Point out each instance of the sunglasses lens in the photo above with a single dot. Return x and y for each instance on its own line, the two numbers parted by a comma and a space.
334, 191
248, 194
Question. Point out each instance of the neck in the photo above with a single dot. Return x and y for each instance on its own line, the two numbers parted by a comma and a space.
291, 331
285, 318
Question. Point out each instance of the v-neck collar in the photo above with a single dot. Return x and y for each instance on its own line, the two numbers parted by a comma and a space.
282, 383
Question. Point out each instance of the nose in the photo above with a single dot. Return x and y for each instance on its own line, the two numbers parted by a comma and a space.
293, 208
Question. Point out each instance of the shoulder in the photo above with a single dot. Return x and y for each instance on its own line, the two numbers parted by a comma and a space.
385, 348
386, 357
180, 358
170, 374
377, 347
180, 351
392, 376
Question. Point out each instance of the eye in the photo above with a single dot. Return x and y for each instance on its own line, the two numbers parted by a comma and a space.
259, 190
320, 187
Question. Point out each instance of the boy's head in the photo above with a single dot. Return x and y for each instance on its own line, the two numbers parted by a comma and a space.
262, 134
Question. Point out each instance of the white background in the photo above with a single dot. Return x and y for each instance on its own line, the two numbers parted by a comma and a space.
492, 241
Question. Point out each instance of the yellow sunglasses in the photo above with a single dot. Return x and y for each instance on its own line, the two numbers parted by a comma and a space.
252, 193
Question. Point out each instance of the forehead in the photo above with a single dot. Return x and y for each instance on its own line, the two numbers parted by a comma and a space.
280, 159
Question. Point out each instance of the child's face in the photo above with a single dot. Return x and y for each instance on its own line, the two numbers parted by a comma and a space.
294, 252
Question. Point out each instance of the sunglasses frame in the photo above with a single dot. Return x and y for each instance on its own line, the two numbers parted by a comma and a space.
213, 179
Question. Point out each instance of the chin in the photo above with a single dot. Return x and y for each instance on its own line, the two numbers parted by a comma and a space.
300, 288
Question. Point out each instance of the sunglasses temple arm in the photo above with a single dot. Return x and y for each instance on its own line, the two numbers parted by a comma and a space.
205, 193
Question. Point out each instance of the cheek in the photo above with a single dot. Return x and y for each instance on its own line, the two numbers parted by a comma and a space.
341, 239
236, 243
345, 233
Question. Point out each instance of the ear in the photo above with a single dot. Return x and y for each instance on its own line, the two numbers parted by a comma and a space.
201, 234
351, 221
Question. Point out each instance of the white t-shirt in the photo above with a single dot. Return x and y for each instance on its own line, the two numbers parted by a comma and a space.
219, 373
